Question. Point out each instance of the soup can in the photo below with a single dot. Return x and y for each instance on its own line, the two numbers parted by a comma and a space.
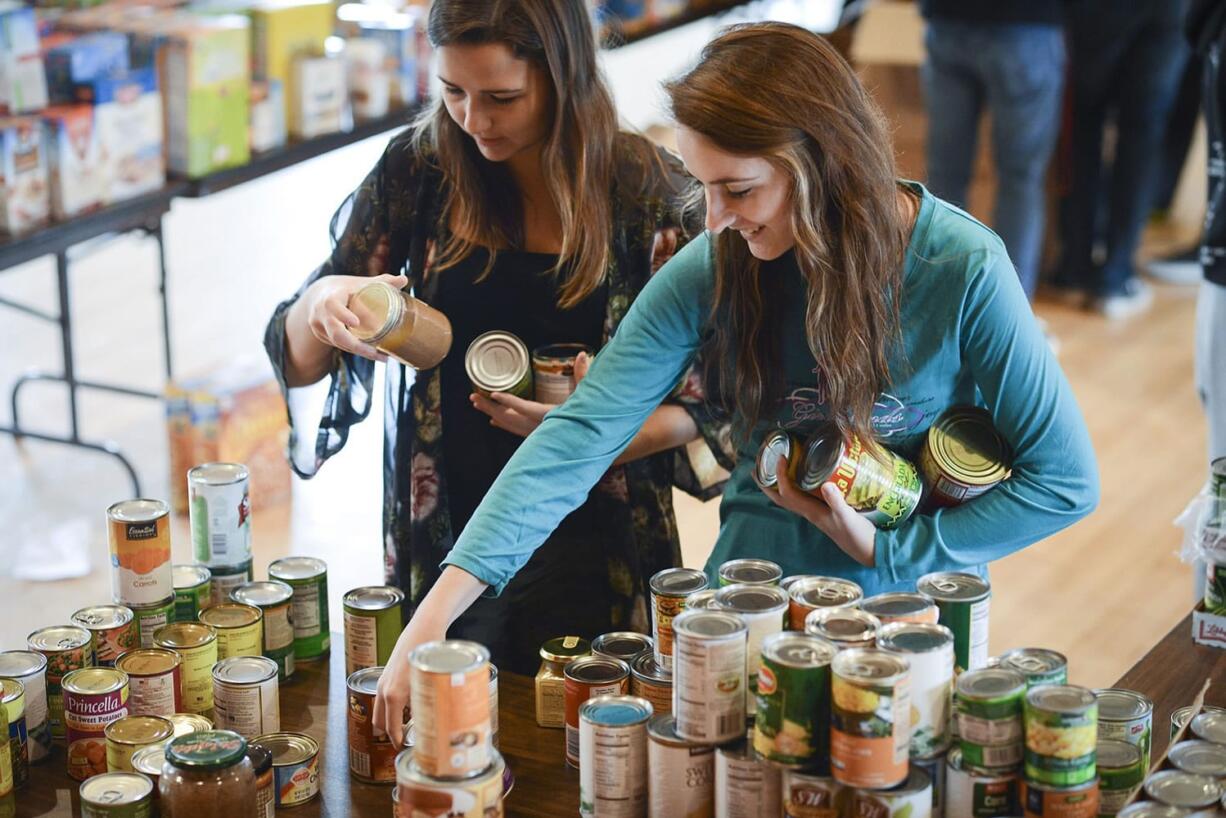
613, 756
117, 795
66, 648
131, 733
651, 682
882, 486
1125, 715
372, 756
295, 766
1181, 717
155, 681
990, 708
553, 371
624, 645
196, 645
778, 444
149, 618
1061, 735
971, 793
901, 607
809, 794
309, 579
709, 676
819, 594
93, 697
930, 650
220, 513
188, 723
226, 579
139, 535
1199, 758
113, 628
669, 590
498, 361
13, 702
1040, 666
479, 796
963, 600
193, 590
793, 699
963, 456
870, 730
30, 668
845, 627
746, 786
1046, 801
587, 678
764, 610
372, 625
749, 572
246, 696
1121, 772
239, 627
1210, 726
910, 799
682, 774
275, 600
449, 700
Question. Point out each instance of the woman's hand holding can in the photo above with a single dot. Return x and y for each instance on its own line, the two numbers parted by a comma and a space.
830, 513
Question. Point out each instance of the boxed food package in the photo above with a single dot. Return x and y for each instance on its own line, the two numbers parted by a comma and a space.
74, 157
24, 193
398, 32
284, 30
18, 29
128, 116
318, 97
268, 129
23, 81
369, 80
83, 60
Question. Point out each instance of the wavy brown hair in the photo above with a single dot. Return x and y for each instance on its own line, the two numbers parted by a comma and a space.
483, 200
780, 92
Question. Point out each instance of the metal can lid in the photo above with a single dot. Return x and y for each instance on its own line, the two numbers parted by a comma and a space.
1210, 727
914, 637
751, 599
800, 650
208, 749
149, 760
186, 575
365, 680
988, 683
870, 665
624, 645
787, 582
227, 615
11, 690
137, 511
1066, 699
826, 592
288, 748
750, 572
102, 617
184, 635
565, 648
373, 598
217, 474
263, 594
615, 711
708, 624
378, 307
92, 680
1112, 754
1180, 789
497, 361
1151, 809
59, 637
775, 445
842, 625
1117, 704
701, 599
896, 604
449, 656
597, 670
646, 668
822, 452
678, 581
953, 586
662, 728
188, 723
19, 663
148, 661
116, 789
297, 568
1031, 661
139, 730
1199, 758
966, 445
261, 758
245, 670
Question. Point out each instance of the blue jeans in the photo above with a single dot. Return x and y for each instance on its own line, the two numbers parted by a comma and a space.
1016, 72
1127, 60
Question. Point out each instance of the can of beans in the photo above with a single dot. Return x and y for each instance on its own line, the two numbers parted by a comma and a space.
1061, 735
682, 774
882, 486
901, 607
309, 579
295, 766
1040, 666
669, 590
226, 578
764, 610
709, 676
149, 618
372, 625
870, 728
553, 371
66, 648
845, 627
749, 572
811, 795
93, 698
117, 795
963, 457
1046, 801
220, 513
245, 696
910, 799
188, 723
1181, 717
1120, 774
613, 756
113, 628
990, 718
13, 702
139, 534
479, 796
624, 645
131, 733
963, 600
240, 629
274, 599
651, 682
498, 361
1210, 726
777, 445
372, 756
587, 678
30, 668
971, 793
930, 650
196, 645
155, 681
450, 704
793, 701
193, 590
746, 786
1125, 715
820, 593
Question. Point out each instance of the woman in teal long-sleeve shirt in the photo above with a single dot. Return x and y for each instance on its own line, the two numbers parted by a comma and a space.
827, 292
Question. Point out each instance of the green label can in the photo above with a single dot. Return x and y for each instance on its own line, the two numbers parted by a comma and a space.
1121, 771
275, 599
193, 590
1125, 715
793, 701
1061, 735
309, 579
882, 486
1039, 665
990, 718
372, 625
963, 600
151, 617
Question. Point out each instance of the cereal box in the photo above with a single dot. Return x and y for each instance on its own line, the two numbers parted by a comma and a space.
268, 129
84, 60
319, 97
128, 116
24, 196
284, 30
74, 156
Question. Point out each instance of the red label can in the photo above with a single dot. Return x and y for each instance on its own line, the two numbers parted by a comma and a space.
587, 678
372, 756
93, 698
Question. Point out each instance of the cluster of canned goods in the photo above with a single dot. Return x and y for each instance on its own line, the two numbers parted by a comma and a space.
1192, 780
963, 456
498, 361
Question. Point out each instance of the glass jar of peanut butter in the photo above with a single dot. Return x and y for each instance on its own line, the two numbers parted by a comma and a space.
398, 324
208, 773
556, 654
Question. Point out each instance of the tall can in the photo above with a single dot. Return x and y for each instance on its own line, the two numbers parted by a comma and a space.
746, 786
901, 607
128, 735
971, 793
246, 696
113, 628
449, 699
93, 698
963, 456
845, 627
139, 534
308, 577
372, 625
30, 668
66, 648
964, 601
910, 799
682, 774
870, 729
808, 794
613, 757
709, 676
149, 618
764, 610
196, 645
13, 702
220, 513
372, 756
749, 572
793, 701
587, 678
1126, 715
930, 650
1061, 735
239, 627
1120, 774
193, 590
155, 681
275, 600
819, 594
669, 589
1040, 666
990, 705
882, 486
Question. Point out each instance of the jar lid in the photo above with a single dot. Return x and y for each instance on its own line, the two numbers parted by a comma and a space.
565, 648
261, 758
210, 749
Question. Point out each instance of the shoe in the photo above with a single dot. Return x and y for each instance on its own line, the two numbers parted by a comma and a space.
1135, 298
1178, 268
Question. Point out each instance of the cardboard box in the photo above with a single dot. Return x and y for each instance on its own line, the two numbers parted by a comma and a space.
369, 78
1207, 628
74, 157
268, 130
128, 116
399, 34
319, 103
18, 30
25, 201
84, 60
23, 83
281, 32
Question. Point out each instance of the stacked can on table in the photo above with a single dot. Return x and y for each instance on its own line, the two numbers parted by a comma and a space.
220, 514
670, 589
15, 735
30, 668
308, 577
963, 601
983, 774
372, 625
141, 574
1061, 730
66, 648
1125, 729
275, 602
764, 610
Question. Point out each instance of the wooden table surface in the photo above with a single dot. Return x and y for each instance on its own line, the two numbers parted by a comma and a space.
314, 703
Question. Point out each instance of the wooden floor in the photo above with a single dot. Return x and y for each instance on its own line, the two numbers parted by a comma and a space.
1101, 592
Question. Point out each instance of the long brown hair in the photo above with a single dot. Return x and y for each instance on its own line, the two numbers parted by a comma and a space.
777, 91
483, 201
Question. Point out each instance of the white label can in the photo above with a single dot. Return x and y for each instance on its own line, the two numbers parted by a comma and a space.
746, 786
682, 775
613, 757
245, 696
709, 676
220, 513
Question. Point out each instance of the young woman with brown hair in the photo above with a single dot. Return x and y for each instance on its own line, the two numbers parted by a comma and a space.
514, 204
830, 293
